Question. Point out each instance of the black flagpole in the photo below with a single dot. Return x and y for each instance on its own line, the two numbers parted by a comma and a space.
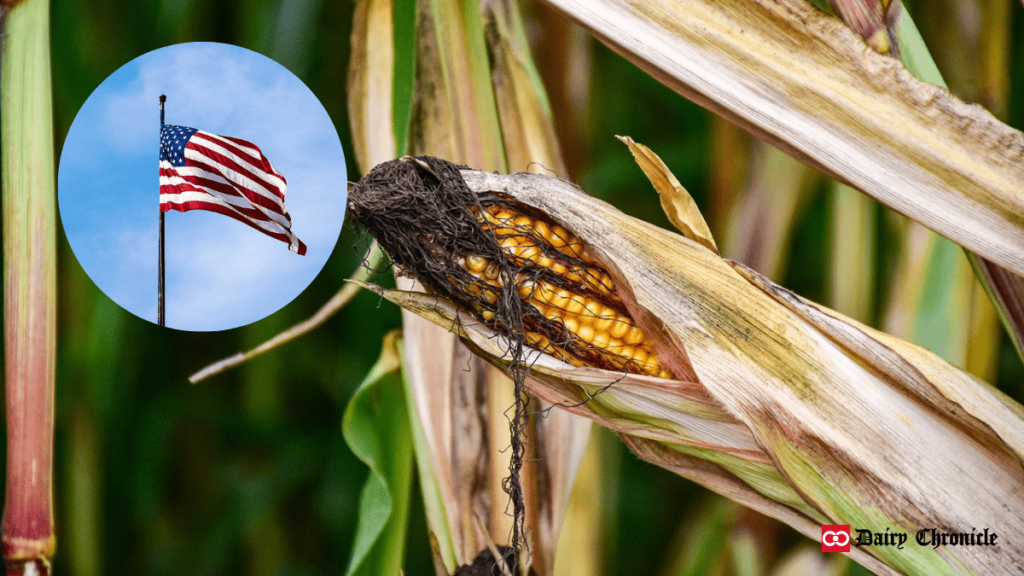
160, 267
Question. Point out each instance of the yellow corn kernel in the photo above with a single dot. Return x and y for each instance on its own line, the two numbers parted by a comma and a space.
640, 356
561, 298
597, 328
542, 229
559, 236
620, 327
634, 336
575, 305
476, 263
605, 319
572, 325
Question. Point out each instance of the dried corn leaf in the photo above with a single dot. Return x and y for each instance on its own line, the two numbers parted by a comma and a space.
677, 203
945, 310
789, 73
370, 78
1004, 288
527, 128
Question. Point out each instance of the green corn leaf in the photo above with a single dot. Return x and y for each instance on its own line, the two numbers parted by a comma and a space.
376, 428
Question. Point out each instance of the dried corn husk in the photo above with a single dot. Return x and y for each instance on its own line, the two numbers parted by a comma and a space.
782, 405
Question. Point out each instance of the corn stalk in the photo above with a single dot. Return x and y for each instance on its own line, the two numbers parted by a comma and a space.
478, 99
30, 290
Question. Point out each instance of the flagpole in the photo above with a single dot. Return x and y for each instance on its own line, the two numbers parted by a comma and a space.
160, 266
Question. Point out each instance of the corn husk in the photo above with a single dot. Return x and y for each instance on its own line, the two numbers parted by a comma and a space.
782, 405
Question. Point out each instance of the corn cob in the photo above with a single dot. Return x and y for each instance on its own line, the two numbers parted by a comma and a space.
579, 317
511, 266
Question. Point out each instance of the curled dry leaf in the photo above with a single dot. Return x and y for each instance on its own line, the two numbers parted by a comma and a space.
677, 203
777, 403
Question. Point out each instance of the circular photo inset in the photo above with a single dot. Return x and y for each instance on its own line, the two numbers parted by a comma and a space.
202, 186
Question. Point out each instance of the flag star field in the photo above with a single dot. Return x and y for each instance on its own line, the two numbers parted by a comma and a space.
172, 143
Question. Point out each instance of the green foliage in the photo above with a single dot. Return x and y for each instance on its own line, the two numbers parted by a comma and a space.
405, 69
376, 428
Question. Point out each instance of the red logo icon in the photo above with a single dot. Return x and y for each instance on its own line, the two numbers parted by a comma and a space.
835, 538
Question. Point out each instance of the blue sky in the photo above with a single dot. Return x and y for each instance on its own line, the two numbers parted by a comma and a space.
220, 273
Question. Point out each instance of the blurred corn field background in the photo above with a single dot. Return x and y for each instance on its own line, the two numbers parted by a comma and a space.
249, 472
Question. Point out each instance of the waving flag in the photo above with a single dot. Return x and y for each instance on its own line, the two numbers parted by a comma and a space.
203, 171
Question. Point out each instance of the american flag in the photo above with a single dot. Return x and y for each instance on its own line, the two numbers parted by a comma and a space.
203, 171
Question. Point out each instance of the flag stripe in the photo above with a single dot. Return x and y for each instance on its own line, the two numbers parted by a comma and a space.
241, 203
241, 145
294, 244
202, 153
178, 197
244, 144
199, 176
259, 168
229, 176
255, 153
